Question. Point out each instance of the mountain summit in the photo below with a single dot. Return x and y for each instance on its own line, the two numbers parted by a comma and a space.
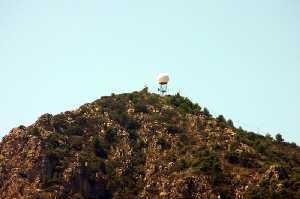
142, 145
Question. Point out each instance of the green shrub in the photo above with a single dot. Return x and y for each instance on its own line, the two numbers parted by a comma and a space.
120, 117
153, 99
111, 135
45, 121
91, 164
141, 144
134, 97
268, 137
140, 108
230, 123
133, 135
59, 122
240, 158
205, 162
249, 138
181, 165
22, 127
35, 131
261, 148
172, 129
76, 142
232, 157
203, 152
53, 141
184, 104
169, 116
132, 125
145, 90
206, 112
209, 164
222, 121
55, 155
96, 165
99, 150
123, 119
109, 168
267, 189
279, 138
163, 143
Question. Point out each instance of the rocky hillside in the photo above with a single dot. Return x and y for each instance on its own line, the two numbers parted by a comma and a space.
141, 145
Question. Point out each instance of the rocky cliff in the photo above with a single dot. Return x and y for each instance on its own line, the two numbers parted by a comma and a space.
141, 145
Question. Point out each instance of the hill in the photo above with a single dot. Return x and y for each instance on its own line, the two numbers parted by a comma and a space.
142, 145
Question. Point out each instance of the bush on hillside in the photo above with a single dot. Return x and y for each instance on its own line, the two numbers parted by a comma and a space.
35, 132
260, 148
76, 142
268, 136
59, 123
172, 129
232, 157
98, 148
123, 119
140, 108
209, 164
279, 138
221, 121
206, 112
153, 99
134, 97
53, 141
181, 165
111, 135
230, 123
163, 143
184, 104
133, 134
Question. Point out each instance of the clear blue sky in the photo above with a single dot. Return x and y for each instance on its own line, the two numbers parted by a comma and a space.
238, 58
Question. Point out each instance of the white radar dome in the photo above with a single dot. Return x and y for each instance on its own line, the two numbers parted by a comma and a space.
163, 78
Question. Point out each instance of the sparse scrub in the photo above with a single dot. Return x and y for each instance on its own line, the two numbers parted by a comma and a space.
99, 149
184, 105
111, 135
35, 132
163, 143
206, 112
172, 129
140, 108
181, 165
279, 138
106, 150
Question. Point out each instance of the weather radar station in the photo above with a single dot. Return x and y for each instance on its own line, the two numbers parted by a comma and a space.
163, 80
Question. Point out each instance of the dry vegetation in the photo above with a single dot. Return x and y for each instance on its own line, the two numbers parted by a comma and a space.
141, 145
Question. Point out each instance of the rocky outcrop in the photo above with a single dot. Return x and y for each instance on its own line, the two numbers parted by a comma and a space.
276, 172
141, 145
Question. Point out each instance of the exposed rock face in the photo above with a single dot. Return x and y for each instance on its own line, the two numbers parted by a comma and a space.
276, 172
140, 145
19, 152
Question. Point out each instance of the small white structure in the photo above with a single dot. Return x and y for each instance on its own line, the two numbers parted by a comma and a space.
163, 80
